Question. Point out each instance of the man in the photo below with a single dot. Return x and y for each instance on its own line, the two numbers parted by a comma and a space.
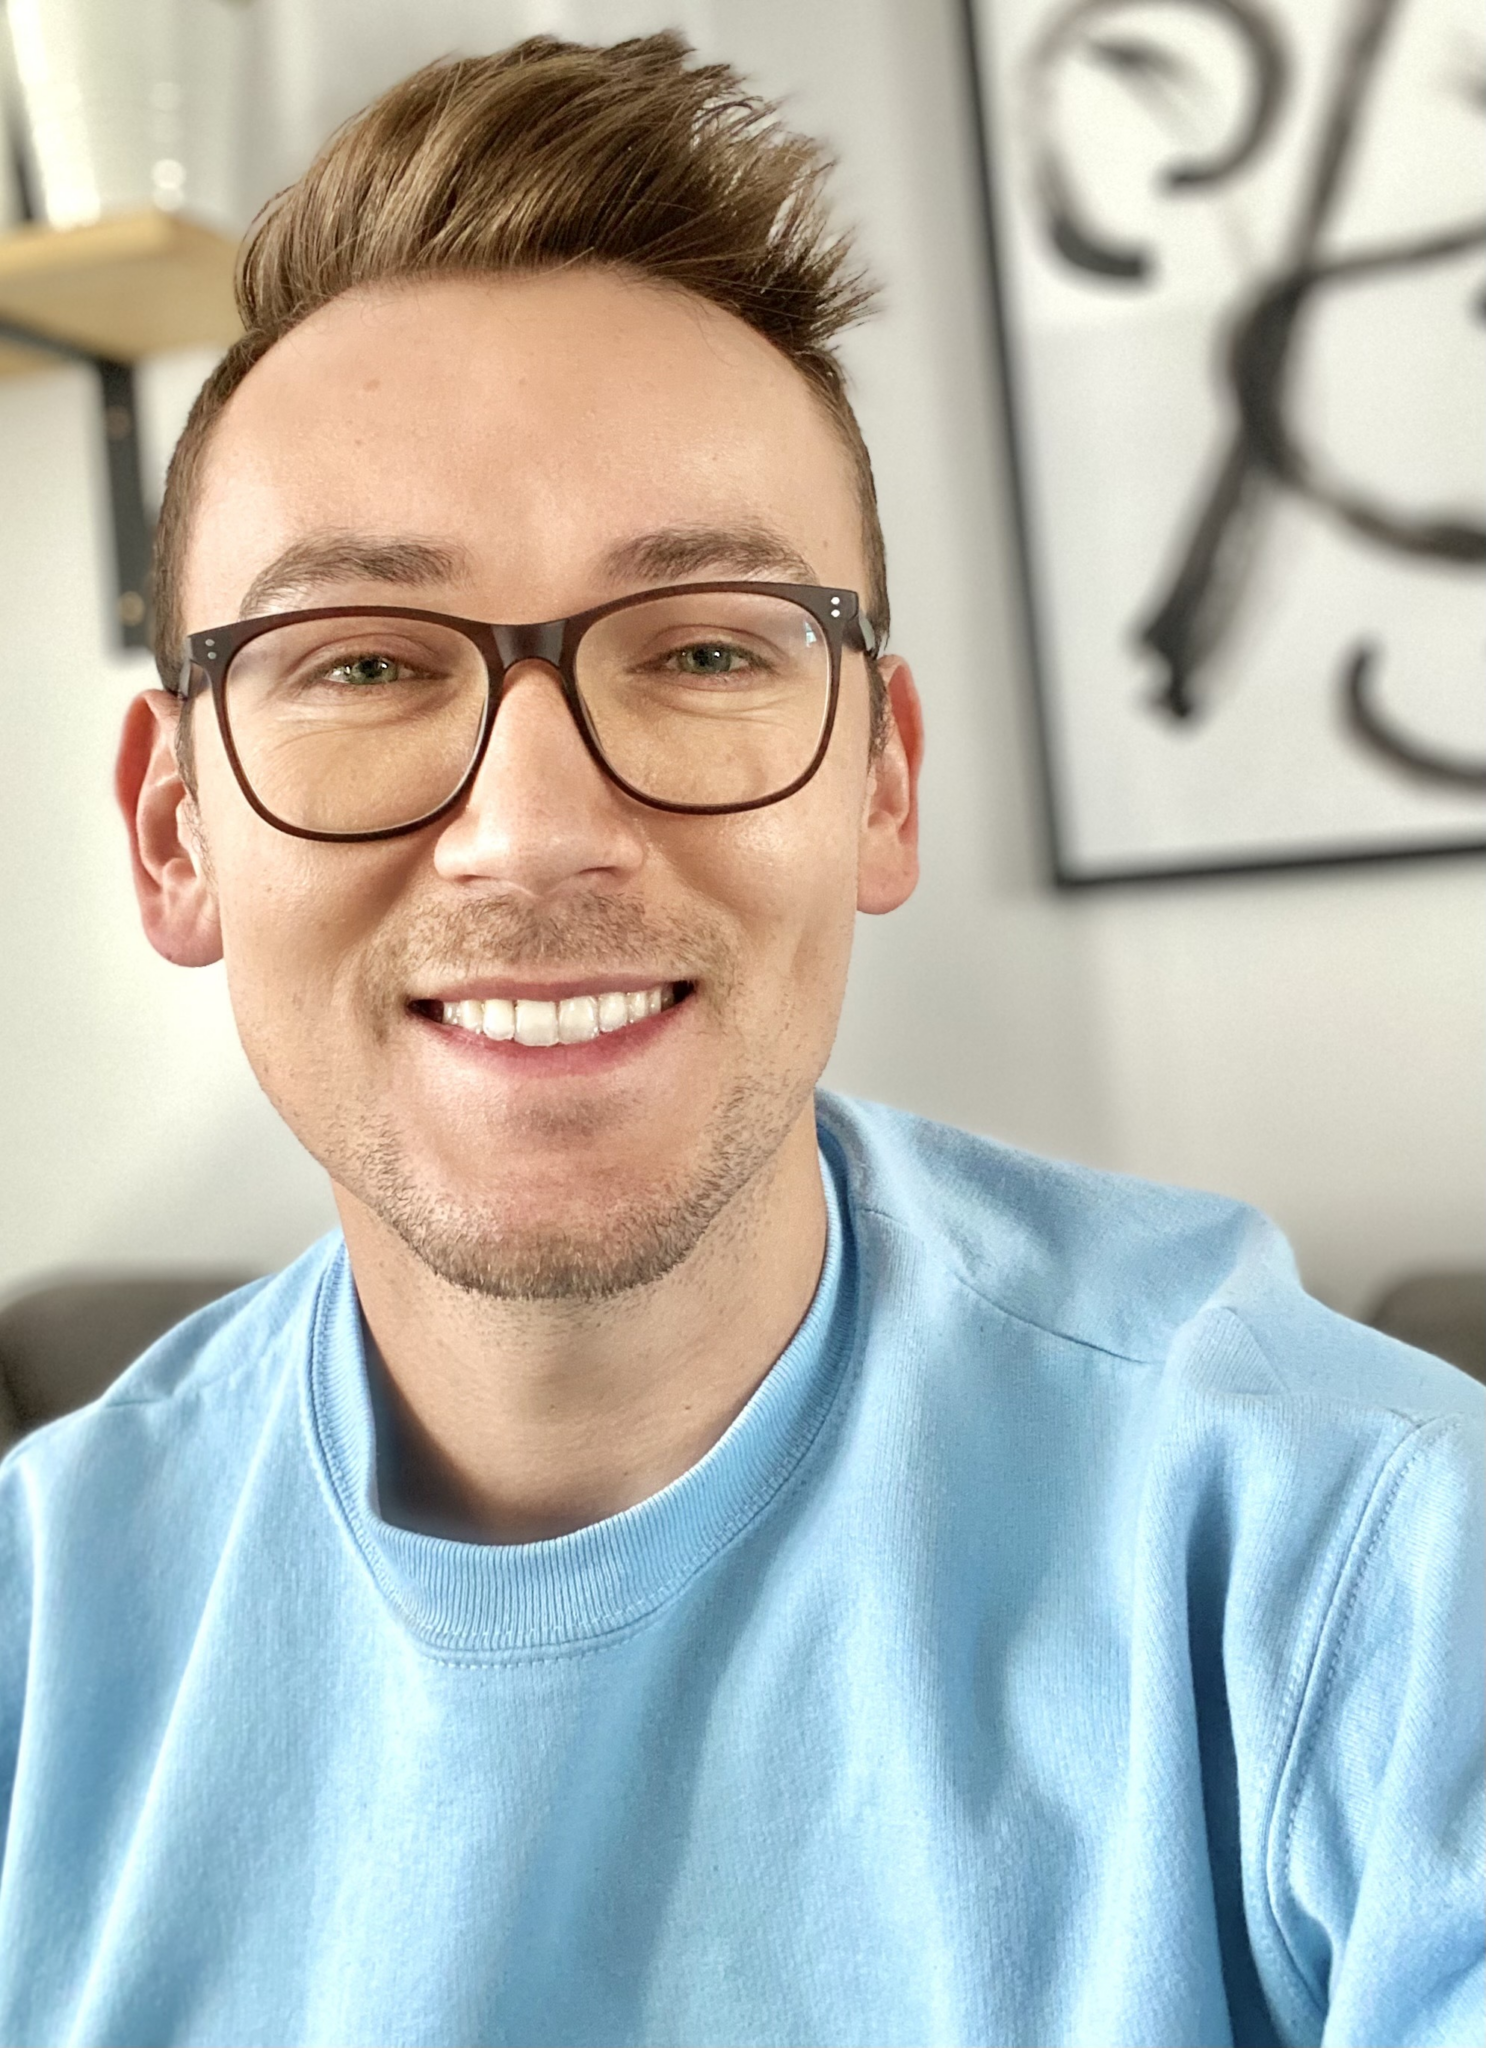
698, 1561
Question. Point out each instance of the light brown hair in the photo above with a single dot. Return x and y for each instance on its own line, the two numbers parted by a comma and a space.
549, 154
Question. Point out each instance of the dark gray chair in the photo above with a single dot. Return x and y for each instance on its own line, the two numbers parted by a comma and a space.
61, 1344
1441, 1312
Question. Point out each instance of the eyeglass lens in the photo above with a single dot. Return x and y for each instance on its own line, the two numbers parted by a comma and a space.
363, 725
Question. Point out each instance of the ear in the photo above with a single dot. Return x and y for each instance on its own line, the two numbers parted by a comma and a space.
887, 863
177, 904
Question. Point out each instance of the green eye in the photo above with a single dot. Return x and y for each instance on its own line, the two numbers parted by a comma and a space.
708, 658
367, 668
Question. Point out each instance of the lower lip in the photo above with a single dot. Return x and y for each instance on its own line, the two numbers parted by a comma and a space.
557, 1062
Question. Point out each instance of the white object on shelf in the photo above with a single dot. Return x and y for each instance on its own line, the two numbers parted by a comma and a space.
10, 191
131, 103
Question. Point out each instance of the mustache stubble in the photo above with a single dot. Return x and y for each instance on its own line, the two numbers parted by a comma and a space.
446, 943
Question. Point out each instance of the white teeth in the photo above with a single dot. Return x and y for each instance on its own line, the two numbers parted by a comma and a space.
577, 1020
536, 1022
573, 1021
499, 1017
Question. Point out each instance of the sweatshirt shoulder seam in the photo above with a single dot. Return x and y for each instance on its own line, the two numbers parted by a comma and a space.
981, 1293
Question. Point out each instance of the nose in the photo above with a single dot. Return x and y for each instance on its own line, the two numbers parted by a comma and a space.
541, 812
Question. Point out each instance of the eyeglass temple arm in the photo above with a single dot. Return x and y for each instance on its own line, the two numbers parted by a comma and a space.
863, 631
186, 668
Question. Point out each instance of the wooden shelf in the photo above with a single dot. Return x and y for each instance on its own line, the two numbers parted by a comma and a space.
123, 288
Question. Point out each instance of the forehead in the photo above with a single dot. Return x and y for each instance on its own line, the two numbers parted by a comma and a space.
534, 422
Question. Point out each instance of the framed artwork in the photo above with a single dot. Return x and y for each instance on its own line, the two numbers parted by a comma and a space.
1239, 250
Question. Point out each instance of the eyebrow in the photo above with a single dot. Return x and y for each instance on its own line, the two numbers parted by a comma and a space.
320, 558
673, 551
664, 555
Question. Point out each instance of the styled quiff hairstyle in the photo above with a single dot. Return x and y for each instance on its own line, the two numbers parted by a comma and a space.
546, 155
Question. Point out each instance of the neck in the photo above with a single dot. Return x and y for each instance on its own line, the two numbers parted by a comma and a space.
514, 1421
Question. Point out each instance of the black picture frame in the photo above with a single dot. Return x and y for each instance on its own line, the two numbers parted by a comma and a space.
1027, 195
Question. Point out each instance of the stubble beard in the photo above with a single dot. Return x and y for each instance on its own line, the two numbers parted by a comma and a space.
641, 1240
646, 1231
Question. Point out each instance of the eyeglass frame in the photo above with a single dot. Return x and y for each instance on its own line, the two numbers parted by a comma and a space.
209, 655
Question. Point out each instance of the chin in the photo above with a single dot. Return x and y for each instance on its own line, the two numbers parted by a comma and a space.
529, 1263
632, 1222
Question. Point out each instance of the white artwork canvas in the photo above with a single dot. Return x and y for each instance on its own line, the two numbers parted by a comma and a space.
1240, 260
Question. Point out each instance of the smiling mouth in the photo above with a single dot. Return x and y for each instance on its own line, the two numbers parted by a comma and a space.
574, 1020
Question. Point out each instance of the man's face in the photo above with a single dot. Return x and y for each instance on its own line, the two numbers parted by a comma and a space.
559, 440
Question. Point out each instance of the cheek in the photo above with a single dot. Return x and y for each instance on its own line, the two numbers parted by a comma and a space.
280, 956
298, 920
296, 942
298, 901
278, 919
788, 875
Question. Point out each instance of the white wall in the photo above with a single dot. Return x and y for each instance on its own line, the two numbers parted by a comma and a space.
1311, 1042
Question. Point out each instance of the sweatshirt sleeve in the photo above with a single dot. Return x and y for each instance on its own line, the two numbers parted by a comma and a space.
15, 1625
1377, 1855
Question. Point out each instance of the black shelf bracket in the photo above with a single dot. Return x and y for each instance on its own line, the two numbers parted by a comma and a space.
131, 525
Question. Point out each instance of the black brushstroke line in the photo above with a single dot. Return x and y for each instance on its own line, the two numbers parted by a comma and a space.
1353, 82
1260, 344
1073, 243
1143, 66
1379, 733
1192, 617
1063, 219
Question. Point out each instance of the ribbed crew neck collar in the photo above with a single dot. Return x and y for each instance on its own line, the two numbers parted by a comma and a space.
476, 1599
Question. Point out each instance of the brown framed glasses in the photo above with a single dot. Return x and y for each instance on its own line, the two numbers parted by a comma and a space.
350, 722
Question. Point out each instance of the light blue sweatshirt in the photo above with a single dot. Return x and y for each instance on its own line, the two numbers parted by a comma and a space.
1077, 1638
